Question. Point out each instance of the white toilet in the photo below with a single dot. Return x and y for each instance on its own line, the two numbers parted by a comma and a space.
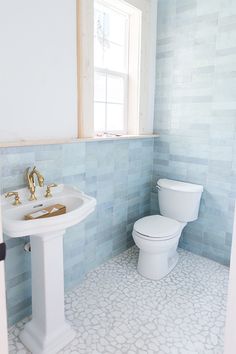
157, 236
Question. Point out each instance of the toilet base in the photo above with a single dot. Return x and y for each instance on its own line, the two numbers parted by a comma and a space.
156, 266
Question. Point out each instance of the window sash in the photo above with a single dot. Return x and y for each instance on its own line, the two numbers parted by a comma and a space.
115, 73
125, 45
124, 77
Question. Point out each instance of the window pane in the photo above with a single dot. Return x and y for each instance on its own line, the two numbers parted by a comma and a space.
99, 87
117, 27
110, 24
98, 53
115, 117
99, 117
101, 21
114, 58
115, 89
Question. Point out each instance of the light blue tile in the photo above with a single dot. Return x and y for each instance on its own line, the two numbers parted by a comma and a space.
195, 113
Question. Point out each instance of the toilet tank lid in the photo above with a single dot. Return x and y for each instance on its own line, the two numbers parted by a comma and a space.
179, 186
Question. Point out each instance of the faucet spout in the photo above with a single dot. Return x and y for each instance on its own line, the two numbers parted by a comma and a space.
31, 181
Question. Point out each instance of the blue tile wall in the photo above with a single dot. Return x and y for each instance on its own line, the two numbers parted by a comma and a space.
117, 173
195, 114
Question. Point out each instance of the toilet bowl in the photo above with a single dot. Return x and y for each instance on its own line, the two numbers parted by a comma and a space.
157, 236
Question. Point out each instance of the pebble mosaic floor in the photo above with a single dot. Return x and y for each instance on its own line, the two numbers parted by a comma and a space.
115, 310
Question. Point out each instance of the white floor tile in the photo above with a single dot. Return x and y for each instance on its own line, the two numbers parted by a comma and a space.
115, 310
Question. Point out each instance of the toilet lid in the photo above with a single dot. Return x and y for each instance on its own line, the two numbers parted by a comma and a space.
157, 226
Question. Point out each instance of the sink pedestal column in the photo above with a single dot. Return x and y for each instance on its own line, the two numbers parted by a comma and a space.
48, 331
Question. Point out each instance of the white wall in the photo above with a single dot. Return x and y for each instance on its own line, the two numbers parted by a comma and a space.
38, 69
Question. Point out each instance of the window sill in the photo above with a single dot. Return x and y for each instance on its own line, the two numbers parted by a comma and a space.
21, 143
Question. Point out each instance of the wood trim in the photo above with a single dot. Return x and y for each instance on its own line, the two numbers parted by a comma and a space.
23, 143
148, 68
85, 70
135, 46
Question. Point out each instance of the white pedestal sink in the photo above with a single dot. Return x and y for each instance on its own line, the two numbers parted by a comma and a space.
48, 331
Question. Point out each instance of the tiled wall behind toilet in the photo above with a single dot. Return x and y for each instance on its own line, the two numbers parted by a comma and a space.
117, 173
195, 114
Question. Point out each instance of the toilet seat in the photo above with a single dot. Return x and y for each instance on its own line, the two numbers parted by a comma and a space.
157, 227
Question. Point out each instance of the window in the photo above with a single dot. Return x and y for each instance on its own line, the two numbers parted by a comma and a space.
116, 66
111, 41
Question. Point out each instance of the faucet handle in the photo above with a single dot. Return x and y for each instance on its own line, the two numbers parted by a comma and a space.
48, 193
16, 195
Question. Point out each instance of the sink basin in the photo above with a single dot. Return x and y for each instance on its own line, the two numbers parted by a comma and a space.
48, 331
78, 206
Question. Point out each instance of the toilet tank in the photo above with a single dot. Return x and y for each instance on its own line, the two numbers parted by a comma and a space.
179, 200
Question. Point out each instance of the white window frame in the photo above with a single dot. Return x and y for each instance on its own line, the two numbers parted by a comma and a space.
141, 93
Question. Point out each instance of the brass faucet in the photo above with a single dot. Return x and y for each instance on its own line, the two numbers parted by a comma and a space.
48, 193
16, 195
31, 182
